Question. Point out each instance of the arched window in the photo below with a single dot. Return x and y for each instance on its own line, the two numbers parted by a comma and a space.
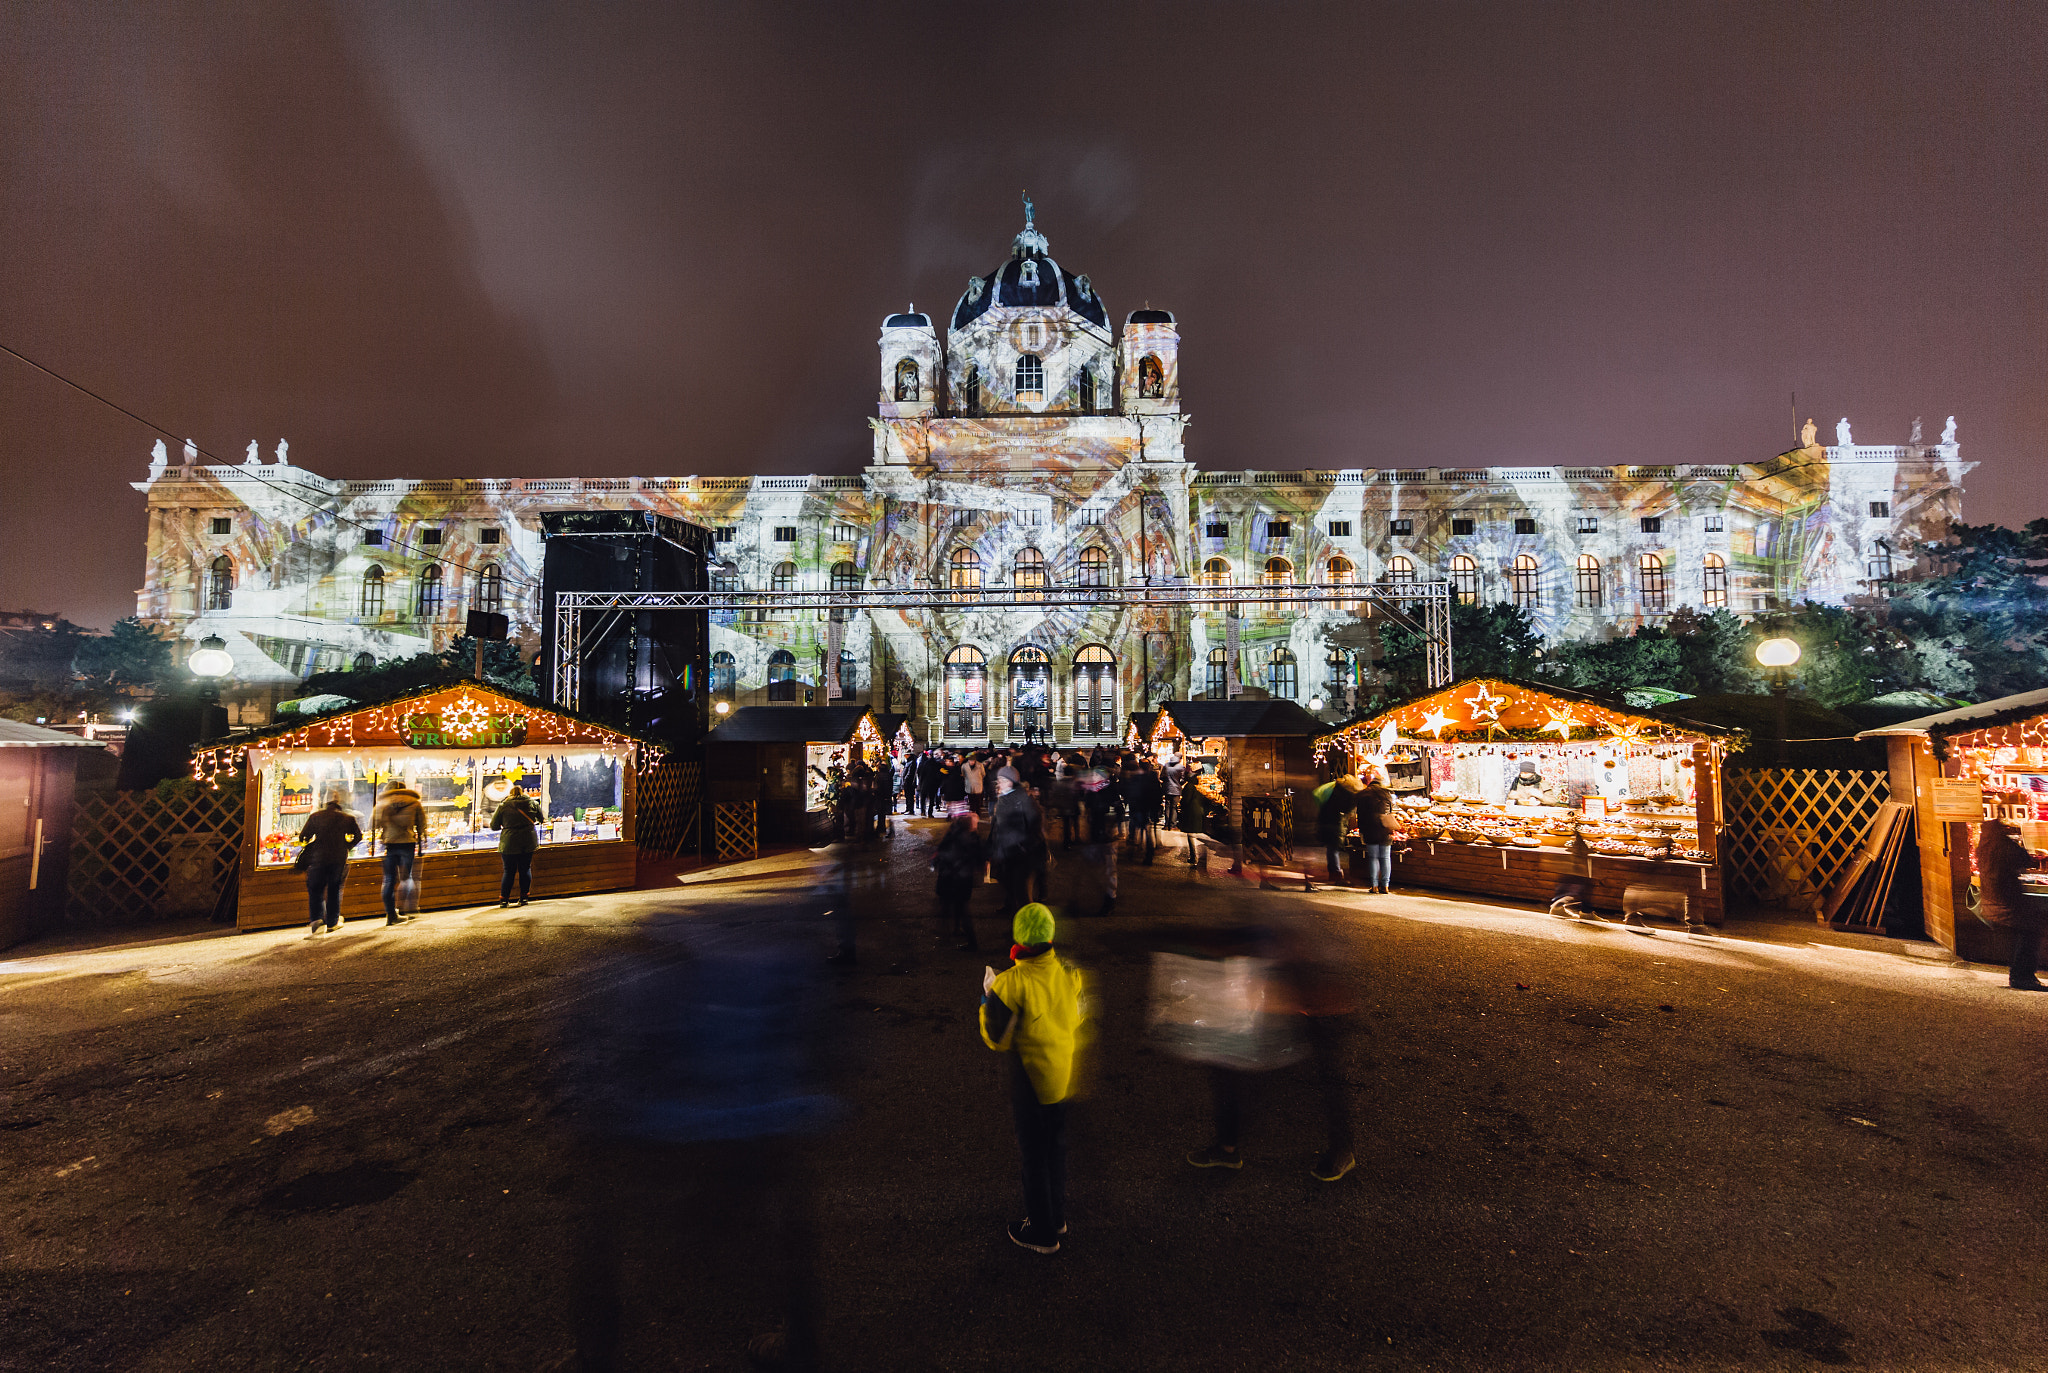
908, 382
782, 675
220, 584
845, 577
1400, 569
1283, 675
849, 677
1028, 573
1094, 566
370, 605
1465, 580
1586, 590
1714, 581
1151, 379
1217, 679
1650, 568
431, 586
1879, 567
725, 674
1088, 390
490, 588
965, 573
966, 691
1095, 691
1279, 572
363, 662
783, 578
1030, 692
1030, 378
1522, 580
1343, 572
1216, 572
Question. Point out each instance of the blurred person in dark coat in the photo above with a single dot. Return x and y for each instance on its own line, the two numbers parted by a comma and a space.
329, 833
2004, 902
960, 863
1016, 843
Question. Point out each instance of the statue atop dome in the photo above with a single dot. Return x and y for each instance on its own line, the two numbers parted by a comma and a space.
1030, 241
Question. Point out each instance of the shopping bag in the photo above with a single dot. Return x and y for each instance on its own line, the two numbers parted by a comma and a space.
1215, 1010
408, 893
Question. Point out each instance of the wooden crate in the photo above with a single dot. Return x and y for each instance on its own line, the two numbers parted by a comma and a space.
273, 897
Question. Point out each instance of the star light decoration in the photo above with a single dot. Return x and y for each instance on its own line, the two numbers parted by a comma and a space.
1484, 705
1561, 723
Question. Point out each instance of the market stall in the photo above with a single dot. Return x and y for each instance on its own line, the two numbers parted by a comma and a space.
1960, 768
782, 758
1494, 779
1259, 749
1138, 728
462, 748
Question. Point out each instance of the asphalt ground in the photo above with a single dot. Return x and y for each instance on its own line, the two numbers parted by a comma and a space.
488, 1139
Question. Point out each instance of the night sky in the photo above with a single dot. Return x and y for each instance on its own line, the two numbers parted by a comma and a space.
497, 240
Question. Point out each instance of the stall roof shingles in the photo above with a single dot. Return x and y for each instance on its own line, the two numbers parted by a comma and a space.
16, 734
2003, 711
789, 725
1228, 719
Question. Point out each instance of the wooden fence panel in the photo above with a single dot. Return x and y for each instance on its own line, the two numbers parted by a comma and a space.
1789, 832
668, 806
137, 856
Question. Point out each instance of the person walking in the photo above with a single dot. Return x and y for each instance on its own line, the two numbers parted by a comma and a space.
1098, 796
1142, 793
517, 821
1016, 843
1170, 779
952, 783
1376, 833
960, 863
1333, 802
1032, 1011
399, 823
973, 773
2004, 903
930, 770
328, 834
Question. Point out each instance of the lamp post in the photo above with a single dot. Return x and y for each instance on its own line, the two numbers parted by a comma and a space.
1777, 658
210, 662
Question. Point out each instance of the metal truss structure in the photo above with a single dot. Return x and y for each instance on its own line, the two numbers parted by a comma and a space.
1423, 607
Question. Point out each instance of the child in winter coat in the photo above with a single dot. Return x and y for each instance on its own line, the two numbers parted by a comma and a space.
1033, 1011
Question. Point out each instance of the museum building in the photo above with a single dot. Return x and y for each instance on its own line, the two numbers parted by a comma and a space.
1035, 444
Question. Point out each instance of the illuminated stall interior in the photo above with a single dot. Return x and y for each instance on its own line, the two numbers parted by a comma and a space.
785, 759
1253, 747
1492, 763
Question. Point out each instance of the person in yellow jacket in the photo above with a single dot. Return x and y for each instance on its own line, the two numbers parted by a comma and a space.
1034, 1012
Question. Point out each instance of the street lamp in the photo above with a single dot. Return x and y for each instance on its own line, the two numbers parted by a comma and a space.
723, 707
1777, 657
1315, 703
209, 663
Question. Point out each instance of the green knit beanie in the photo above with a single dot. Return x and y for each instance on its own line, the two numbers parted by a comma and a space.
1033, 925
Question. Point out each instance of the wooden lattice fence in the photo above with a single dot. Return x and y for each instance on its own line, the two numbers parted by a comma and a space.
668, 804
137, 856
1789, 832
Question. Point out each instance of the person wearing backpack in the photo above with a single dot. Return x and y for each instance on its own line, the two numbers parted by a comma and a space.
517, 822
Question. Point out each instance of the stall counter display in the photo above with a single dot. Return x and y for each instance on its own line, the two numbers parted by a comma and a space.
1528, 770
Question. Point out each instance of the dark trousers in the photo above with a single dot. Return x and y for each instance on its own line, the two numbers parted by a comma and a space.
397, 868
954, 914
519, 865
323, 892
1326, 1035
1333, 864
931, 799
2026, 953
1042, 1147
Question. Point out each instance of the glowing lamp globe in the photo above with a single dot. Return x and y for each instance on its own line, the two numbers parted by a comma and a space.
211, 658
1777, 653
1315, 703
722, 707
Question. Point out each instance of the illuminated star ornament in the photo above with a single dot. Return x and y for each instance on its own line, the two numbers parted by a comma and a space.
1485, 705
1436, 722
1561, 724
466, 718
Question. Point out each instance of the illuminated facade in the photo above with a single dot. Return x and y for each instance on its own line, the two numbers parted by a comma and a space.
1036, 443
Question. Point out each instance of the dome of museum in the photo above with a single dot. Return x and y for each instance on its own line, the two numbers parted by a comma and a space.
1030, 278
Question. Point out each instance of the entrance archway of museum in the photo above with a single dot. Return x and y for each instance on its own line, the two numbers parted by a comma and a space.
966, 691
1030, 694
1095, 691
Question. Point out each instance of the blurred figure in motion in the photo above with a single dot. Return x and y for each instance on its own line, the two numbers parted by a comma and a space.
1335, 800
1250, 999
1016, 843
328, 834
1143, 795
960, 863
1099, 799
1033, 1012
854, 880
697, 1075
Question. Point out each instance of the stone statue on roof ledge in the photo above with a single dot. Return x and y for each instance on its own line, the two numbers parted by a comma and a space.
254, 457
158, 457
1842, 438
1916, 439
1948, 431
283, 454
191, 452
1808, 432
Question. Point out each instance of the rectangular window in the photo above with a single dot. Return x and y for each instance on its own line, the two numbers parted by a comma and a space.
1340, 529
1879, 510
1589, 524
223, 525
1401, 528
1653, 524
785, 533
1089, 515
845, 533
1217, 529
493, 535
1461, 527
374, 537
1525, 526
1710, 524
725, 533
1279, 529
430, 536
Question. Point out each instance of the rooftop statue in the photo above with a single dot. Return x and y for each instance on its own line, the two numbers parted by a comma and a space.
1948, 431
1842, 433
1916, 431
1807, 432
283, 453
191, 452
157, 456
254, 457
